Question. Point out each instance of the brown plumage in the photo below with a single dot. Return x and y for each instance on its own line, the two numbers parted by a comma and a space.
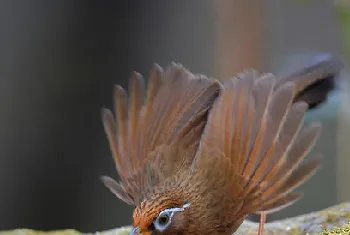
198, 156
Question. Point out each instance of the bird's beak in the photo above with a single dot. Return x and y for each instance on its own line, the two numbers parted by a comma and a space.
137, 231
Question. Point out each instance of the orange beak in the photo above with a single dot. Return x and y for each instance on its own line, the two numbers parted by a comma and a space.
137, 231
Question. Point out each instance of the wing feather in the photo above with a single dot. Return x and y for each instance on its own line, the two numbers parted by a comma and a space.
254, 127
316, 80
262, 142
174, 113
136, 102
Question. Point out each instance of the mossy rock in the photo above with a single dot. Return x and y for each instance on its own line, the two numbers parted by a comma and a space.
333, 220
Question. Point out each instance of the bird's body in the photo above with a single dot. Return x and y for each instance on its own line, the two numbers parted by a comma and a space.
198, 156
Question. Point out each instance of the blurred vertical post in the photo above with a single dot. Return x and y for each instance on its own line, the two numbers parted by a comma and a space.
280, 36
343, 173
239, 36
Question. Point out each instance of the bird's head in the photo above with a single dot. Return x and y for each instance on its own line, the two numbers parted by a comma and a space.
154, 217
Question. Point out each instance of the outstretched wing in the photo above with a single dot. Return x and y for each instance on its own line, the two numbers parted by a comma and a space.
316, 80
253, 133
174, 112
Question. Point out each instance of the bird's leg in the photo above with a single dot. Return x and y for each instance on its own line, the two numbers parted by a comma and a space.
262, 222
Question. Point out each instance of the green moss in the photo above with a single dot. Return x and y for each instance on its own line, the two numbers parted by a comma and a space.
119, 231
340, 231
34, 232
124, 233
332, 217
295, 231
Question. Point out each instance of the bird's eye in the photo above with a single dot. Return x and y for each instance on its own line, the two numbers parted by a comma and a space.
163, 221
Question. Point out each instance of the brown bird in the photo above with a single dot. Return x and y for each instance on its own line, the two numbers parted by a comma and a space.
198, 156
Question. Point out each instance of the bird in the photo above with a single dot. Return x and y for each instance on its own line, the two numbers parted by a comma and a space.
196, 156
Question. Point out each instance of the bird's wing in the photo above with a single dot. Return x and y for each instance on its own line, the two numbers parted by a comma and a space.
314, 81
174, 111
252, 134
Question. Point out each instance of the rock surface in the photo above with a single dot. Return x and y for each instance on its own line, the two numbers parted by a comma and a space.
323, 222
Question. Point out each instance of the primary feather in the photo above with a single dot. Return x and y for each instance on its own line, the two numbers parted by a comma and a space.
175, 110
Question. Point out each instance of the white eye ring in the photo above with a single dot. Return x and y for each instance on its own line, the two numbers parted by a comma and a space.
163, 221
